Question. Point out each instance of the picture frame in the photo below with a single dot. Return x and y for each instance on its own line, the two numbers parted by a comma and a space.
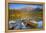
21, 2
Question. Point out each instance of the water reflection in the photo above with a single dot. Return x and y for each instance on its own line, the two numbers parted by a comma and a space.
39, 24
24, 24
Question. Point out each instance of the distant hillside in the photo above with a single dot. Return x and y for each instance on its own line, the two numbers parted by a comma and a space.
35, 13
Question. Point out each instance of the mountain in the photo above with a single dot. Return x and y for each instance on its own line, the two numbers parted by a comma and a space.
26, 8
29, 8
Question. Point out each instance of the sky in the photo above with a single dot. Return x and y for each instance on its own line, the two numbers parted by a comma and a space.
18, 6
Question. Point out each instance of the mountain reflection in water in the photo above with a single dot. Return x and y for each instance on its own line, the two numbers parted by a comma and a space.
39, 24
21, 24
